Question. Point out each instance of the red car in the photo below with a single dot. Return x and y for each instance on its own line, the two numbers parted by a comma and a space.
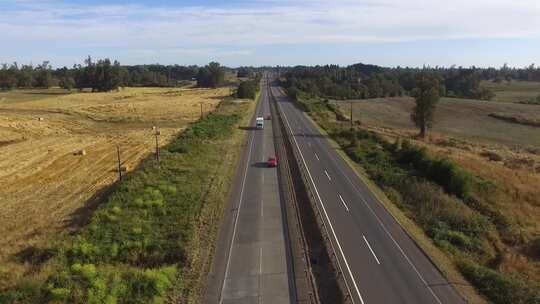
272, 162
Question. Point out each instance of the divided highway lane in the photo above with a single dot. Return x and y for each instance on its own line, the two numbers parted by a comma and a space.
381, 264
251, 263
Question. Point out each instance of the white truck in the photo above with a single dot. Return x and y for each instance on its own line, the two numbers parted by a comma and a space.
259, 122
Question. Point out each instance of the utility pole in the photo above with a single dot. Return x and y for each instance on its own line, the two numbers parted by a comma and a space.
157, 133
119, 163
201, 111
351, 116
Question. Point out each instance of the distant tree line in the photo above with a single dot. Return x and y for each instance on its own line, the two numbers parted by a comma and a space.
362, 81
26, 76
106, 75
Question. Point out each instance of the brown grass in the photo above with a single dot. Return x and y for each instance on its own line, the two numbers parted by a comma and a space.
514, 91
47, 190
461, 118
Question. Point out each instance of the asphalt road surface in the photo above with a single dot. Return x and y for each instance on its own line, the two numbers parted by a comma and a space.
251, 262
380, 263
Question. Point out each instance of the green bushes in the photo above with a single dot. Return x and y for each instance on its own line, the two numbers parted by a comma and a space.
499, 288
247, 89
445, 173
84, 283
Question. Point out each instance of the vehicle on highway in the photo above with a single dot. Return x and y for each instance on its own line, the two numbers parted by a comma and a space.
272, 162
259, 122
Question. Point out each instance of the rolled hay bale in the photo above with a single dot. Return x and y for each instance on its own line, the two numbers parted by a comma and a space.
81, 152
124, 168
41, 119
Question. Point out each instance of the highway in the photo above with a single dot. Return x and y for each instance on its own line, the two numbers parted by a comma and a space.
380, 263
251, 263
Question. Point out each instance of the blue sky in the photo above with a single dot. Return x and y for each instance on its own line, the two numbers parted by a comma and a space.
273, 32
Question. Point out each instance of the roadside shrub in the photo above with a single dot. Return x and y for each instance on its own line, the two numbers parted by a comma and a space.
499, 288
29, 291
151, 285
247, 89
442, 171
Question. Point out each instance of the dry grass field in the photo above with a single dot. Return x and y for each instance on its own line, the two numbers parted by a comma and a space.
47, 189
465, 119
514, 91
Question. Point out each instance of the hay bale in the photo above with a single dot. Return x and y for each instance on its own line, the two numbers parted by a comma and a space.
124, 168
81, 152
41, 119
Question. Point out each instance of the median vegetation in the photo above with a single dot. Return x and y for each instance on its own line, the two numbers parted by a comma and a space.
149, 240
248, 88
451, 205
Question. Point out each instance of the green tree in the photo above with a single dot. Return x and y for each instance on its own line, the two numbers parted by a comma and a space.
43, 77
247, 89
426, 94
26, 77
211, 76
8, 77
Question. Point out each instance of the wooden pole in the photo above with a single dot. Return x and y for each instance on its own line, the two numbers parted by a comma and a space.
201, 111
157, 145
351, 117
119, 162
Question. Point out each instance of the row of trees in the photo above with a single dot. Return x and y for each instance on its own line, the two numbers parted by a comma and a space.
26, 76
105, 75
367, 81
361, 81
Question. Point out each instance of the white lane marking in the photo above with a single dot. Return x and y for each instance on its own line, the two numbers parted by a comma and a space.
317, 156
326, 215
371, 249
262, 208
236, 219
260, 260
325, 172
382, 225
343, 202
260, 273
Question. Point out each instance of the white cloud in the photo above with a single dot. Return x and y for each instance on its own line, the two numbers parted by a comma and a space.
216, 30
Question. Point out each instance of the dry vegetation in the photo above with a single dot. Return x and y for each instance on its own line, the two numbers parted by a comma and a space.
503, 153
513, 91
461, 118
46, 187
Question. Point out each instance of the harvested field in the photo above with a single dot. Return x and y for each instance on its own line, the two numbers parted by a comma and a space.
514, 91
465, 119
48, 185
